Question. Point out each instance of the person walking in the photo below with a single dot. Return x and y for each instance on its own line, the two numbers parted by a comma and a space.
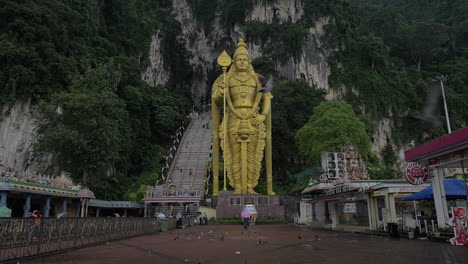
179, 221
37, 224
246, 218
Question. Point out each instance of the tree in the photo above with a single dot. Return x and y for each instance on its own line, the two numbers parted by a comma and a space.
373, 51
289, 95
86, 128
330, 127
422, 39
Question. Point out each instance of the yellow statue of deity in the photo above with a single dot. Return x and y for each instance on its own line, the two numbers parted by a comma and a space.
245, 129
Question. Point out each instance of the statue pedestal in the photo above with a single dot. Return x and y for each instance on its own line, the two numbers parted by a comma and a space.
229, 204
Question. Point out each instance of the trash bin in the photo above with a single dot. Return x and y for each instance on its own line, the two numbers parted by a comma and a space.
191, 222
179, 223
163, 224
393, 229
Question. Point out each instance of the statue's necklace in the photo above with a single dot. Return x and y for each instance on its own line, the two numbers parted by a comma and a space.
242, 78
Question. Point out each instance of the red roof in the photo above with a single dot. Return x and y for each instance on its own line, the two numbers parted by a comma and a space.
439, 144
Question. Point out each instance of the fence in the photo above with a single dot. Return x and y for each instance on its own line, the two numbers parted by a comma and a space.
20, 238
177, 138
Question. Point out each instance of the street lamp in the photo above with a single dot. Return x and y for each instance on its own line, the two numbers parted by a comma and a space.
441, 79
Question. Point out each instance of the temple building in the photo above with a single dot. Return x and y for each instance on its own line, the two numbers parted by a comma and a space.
59, 196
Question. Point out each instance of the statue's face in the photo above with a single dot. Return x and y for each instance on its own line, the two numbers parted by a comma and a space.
242, 63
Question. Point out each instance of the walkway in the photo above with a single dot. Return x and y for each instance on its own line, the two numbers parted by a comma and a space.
189, 169
278, 244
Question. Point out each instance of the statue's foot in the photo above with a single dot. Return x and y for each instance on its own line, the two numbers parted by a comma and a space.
251, 191
237, 191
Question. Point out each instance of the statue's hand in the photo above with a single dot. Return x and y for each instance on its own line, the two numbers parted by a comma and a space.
258, 119
221, 86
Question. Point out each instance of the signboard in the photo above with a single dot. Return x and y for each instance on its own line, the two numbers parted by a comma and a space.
413, 189
378, 193
460, 226
350, 207
416, 174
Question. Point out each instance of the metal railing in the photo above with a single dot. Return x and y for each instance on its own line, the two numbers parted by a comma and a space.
177, 139
21, 238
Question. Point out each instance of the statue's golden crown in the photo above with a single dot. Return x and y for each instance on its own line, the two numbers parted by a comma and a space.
241, 49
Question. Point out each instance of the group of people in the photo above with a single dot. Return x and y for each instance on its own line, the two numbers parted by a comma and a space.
12, 175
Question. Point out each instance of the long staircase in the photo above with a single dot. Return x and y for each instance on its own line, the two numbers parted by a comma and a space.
187, 175
189, 168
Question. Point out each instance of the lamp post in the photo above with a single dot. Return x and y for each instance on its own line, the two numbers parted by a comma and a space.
441, 79
464, 181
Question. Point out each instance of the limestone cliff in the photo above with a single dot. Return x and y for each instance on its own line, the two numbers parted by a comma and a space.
205, 47
17, 132
17, 125
156, 73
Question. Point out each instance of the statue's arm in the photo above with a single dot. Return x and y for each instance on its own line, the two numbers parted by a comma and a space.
265, 109
218, 90
266, 103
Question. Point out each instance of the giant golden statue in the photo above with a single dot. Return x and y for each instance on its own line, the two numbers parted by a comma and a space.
245, 131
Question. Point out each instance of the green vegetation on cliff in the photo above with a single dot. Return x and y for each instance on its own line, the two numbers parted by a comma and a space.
389, 53
80, 61
332, 125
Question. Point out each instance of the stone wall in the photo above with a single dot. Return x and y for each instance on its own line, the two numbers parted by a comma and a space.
230, 205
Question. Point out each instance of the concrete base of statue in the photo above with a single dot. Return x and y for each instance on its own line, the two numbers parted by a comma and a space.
229, 205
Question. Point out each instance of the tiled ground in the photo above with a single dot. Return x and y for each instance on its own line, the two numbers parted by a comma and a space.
262, 244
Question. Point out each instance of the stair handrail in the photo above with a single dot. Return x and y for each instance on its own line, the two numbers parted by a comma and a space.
180, 132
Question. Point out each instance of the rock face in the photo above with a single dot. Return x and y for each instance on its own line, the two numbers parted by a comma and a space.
312, 65
205, 47
284, 11
156, 73
17, 126
17, 132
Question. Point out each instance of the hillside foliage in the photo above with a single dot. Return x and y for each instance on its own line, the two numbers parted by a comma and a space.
332, 125
80, 62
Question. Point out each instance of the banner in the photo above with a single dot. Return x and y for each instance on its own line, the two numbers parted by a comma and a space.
350, 208
460, 226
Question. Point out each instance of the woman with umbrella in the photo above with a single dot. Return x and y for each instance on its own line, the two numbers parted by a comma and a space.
246, 218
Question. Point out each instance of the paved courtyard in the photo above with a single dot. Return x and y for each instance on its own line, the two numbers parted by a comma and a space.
279, 244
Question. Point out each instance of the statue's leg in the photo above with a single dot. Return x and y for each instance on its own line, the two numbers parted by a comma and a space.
235, 168
255, 157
